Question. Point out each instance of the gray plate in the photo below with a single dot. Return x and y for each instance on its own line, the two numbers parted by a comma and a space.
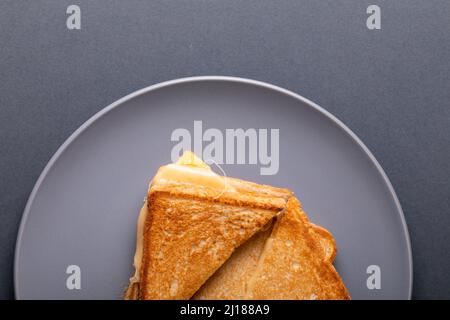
84, 206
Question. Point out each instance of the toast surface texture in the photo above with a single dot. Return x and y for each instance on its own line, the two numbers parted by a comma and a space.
290, 260
188, 234
294, 264
227, 238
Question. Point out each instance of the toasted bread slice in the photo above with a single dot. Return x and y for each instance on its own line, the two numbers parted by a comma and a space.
203, 236
293, 264
190, 229
291, 260
230, 281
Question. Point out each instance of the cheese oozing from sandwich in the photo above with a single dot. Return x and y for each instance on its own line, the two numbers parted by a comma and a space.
189, 169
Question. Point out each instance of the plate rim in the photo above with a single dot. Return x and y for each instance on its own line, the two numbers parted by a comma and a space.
238, 80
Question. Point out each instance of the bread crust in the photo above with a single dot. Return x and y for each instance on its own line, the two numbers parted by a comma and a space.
189, 233
245, 241
295, 265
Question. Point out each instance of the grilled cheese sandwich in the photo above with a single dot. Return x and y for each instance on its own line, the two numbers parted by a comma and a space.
205, 236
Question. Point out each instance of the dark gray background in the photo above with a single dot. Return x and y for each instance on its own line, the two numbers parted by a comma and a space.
390, 86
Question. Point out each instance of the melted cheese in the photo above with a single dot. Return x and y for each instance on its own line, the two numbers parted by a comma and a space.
139, 243
192, 170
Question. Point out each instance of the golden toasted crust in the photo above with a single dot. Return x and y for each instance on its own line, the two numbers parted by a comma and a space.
230, 281
325, 240
132, 291
294, 264
291, 261
235, 192
189, 234
233, 243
